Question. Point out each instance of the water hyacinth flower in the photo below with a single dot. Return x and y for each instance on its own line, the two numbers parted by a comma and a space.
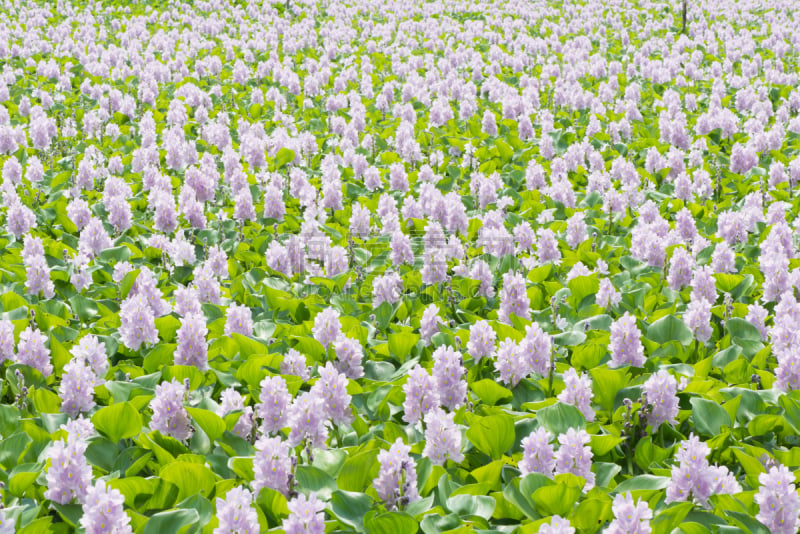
69, 475
449, 375
233, 401
137, 322
558, 525
294, 363
275, 400
538, 455
326, 326
429, 323
481, 342
307, 420
349, 357
331, 388
397, 479
660, 391
578, 393
31, 350
442, 438
239, 319
630, 517
574, 456
778, 502
421, 394
306, 515
103, 511
272, 465
236, 513
625, 342
77, 387
192, 345
693, 477
513, 298
169, 415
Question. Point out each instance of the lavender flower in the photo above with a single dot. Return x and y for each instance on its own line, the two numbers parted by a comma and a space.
294, 363
77, 387
398, 474
239, 319
137, 323
429, 324
538, 455
275, 399
305, 516
103, 511
660, 391
306, 418
232, 401
558, 525
349, 355
630, 517
681, 267
442, 437
578, 393
192, 346
421, 394
698, 319
513, 298
694, 477
331, 388
69, 475
607, 294
236, 513
625, 343
272, 465
574, 456
31, 350
169, 415
6, 340
449, 373
326, 326
778, 502
481, 340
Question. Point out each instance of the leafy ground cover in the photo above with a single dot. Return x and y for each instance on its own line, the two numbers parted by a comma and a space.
397, 267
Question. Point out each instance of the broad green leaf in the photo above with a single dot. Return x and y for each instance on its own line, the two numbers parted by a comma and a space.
560, 417
669, 328
190, 478
211, 423
391, 523
492, 435
708, 416
118, 421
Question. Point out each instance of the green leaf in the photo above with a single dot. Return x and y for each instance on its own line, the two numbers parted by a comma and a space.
171, 521
582, 287
211, 423
670, 328
560, 417
358, 470
190, 478
350, 507
491, 392
468, 505
612, 380
401, 343
284, 156
118, 421
492, 435
391, 523
558, 499
642, 482
708, 416
312, 479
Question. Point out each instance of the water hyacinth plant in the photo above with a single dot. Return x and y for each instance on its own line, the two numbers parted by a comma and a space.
350, 266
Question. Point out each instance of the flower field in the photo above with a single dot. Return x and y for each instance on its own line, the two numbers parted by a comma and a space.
397, 267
